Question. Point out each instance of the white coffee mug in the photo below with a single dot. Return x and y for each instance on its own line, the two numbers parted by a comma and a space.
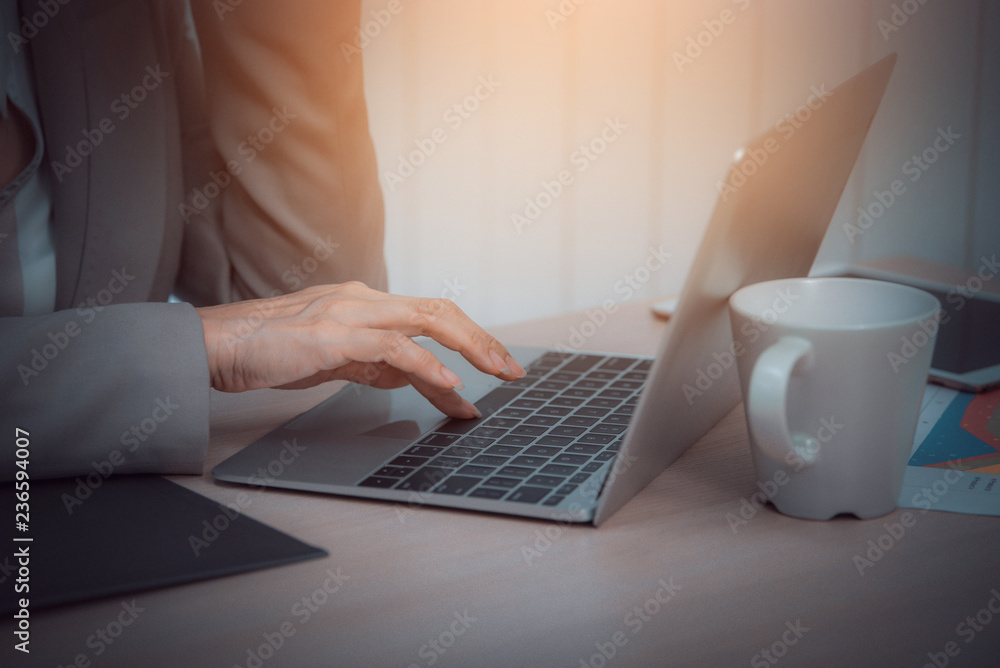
833, 372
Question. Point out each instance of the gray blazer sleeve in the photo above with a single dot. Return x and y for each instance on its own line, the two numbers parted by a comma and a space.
122, 389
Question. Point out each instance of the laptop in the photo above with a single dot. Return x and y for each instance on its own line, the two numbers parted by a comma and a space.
584, 432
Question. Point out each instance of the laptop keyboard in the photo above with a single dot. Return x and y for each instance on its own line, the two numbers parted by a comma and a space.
539, 439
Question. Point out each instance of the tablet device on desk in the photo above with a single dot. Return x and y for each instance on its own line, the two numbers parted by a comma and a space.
967, 351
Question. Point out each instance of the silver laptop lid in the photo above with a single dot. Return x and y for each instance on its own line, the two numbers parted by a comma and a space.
774, 208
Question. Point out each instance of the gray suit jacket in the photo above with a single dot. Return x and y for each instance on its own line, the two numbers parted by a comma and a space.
265, 186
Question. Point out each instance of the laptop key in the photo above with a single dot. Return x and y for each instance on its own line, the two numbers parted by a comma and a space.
566, 401
448, 462
527, 460
504, 483
487, 493
542, 451
538, 394
528, 494
591, 411
617, 418
596, 439
393, 471
528, 430
527, 403
515, 472
618, 364
616, 394
579, 421
558, 441
489, 432
462, 451
566, 431
592, 466
405, 460
516, 439
578, 393
502, 450
564, 376
581, 363
544, 481
555, 410
489, 460
518, 413
591, 384
635, 375
565, 489
424, 479
580, 478
583, 449
603, 402
378, 481
423, 451
476, 442
627, 384
542, 420
604, 456
573, 460
602, 375
551, 385
475, 471
558, 469
457, 485
502, 423
440, 440
553, 500
605, 428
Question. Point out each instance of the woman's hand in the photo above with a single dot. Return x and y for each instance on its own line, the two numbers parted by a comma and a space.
348, 332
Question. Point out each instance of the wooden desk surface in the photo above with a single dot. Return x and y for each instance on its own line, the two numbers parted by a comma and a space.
666, 581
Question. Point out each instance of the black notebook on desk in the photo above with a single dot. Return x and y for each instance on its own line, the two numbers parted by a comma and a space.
130, 534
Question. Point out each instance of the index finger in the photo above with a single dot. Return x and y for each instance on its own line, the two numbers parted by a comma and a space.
443, 321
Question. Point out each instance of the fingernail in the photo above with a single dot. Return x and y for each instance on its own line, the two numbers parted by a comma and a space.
450, 378
501, 365
515, 367
472, 407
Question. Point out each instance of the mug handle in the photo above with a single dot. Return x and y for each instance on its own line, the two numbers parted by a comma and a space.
767, 399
